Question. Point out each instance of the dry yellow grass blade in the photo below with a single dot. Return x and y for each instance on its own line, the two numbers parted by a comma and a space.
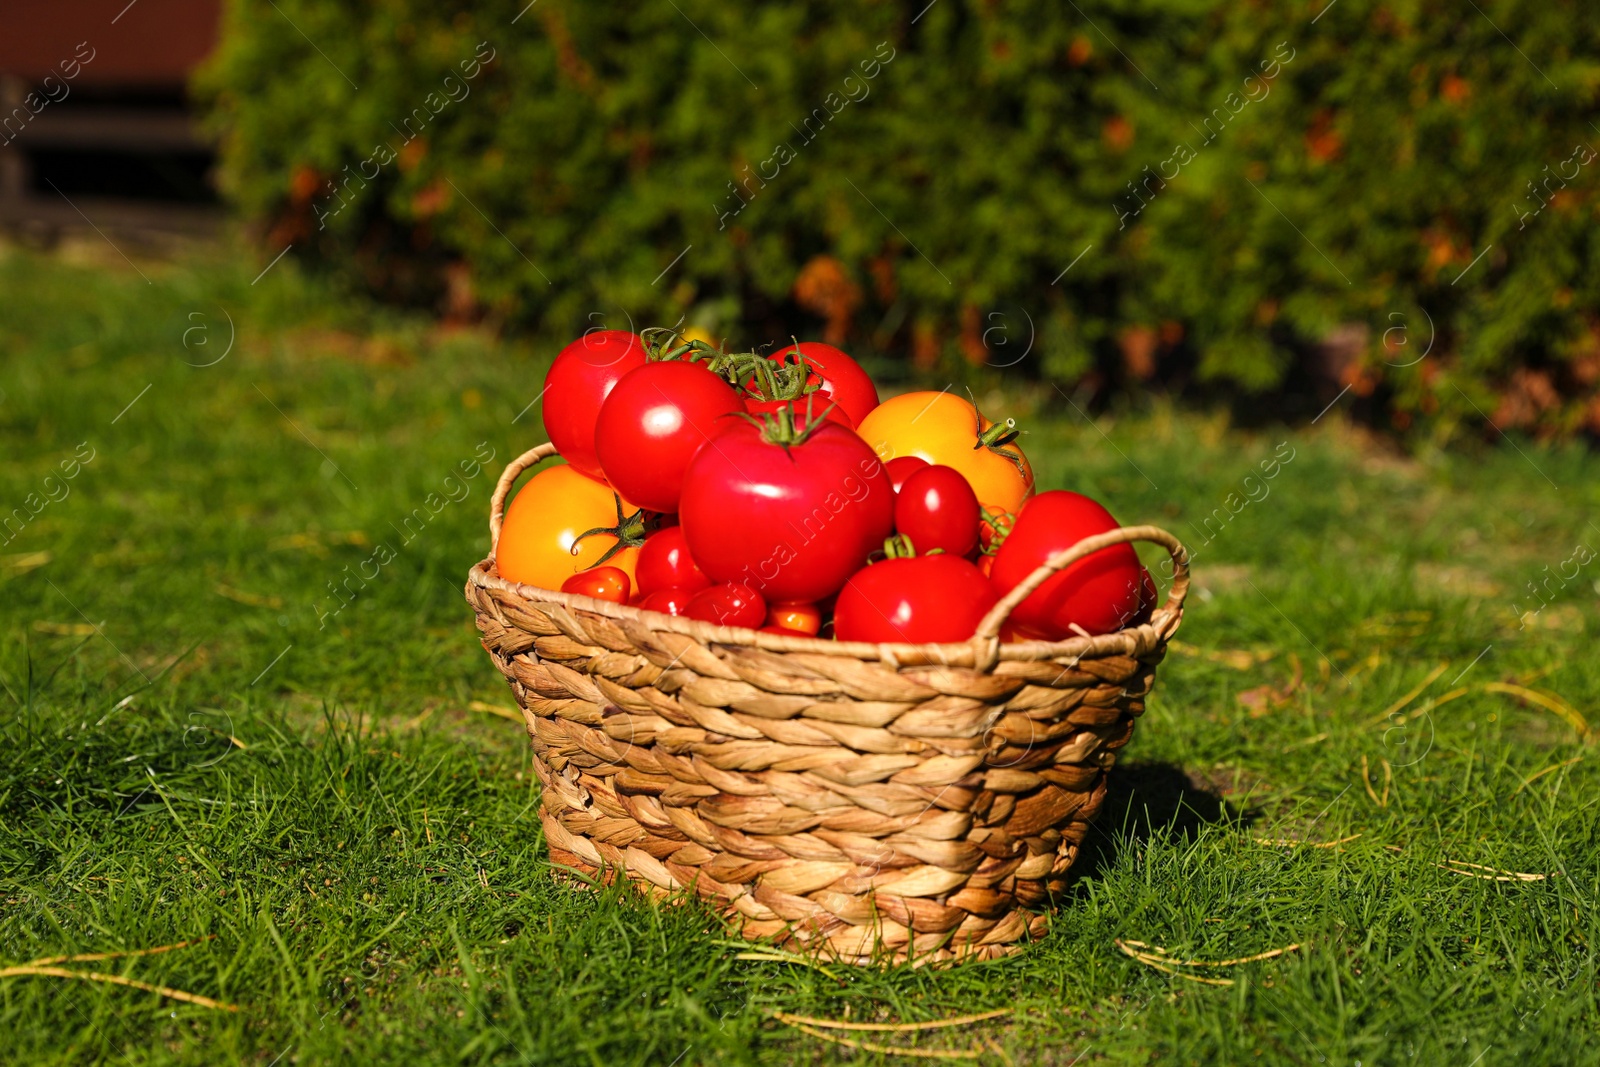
1290, 842
1497, 874
65, 629
239, 596
1432, 677
495, 709
1237, 659
1546, 700
889, 1050
1366, 780
87, 957
1166, 957
836, 1024
1160, 965
31, 971
1547, 770
23, 562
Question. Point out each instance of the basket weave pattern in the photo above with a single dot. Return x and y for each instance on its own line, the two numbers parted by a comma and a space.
864, 802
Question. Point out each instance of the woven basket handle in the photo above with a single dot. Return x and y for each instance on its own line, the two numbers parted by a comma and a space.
497, 504
989, 628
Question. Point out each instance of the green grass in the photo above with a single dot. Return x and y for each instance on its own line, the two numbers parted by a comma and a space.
366, 861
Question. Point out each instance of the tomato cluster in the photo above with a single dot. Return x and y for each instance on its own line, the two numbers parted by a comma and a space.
775, 491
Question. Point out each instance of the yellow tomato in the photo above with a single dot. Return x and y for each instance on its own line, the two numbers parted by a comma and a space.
945, 429
545, 521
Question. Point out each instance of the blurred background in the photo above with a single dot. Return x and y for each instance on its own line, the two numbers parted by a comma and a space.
1264, 206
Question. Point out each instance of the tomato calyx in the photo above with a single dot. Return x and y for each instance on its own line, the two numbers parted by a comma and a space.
995, 439
996, 528
779, 427
664, 344
629, 532
901, 547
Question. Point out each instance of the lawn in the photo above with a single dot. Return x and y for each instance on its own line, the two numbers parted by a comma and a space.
1368, 743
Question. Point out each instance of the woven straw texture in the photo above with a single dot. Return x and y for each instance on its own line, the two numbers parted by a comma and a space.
868, 803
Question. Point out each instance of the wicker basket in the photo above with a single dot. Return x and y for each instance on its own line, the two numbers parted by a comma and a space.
862, 802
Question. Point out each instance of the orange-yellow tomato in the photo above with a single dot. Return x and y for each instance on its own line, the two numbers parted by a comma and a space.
801, 617
545, 520
945, 429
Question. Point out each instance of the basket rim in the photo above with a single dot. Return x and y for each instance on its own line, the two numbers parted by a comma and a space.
1163, 623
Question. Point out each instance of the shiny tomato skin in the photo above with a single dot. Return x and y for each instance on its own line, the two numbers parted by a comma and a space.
801, 618
794, 523
943, 428
601, 583
937, 509
543, 524
729, 604
668, 601
851, 387
1098, 593
917, 600
665, 563
579, 381
902, 467
653, 422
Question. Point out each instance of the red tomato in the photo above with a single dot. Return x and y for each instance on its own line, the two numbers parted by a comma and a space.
653, 422
902, 467
785, 631
802, 618
732, 604
1147, 599
602, 583
1098, 593
668, 601
850, 386
664, 563
917, 600
937, 509
792, 514
579, 381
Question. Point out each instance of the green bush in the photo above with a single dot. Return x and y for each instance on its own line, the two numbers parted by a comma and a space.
1249, 196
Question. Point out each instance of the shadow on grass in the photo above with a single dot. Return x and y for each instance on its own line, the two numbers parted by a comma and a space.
1151, 800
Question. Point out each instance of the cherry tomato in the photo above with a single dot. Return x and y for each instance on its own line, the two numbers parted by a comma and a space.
850, 386
602, 583
785, 631
1099, 593
902, 467
652, 423
916, 600
664, 563
579, 381
804, 618
943, 428
730, 604
790, 513
540, 537
670, 601
937, 509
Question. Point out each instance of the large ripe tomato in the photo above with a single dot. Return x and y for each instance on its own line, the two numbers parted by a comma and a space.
665, 563
540, 536
731, 604
916, 600
842, 377
579, 381
945, 429
937, 510
653, 423
1099, 594
793, 514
